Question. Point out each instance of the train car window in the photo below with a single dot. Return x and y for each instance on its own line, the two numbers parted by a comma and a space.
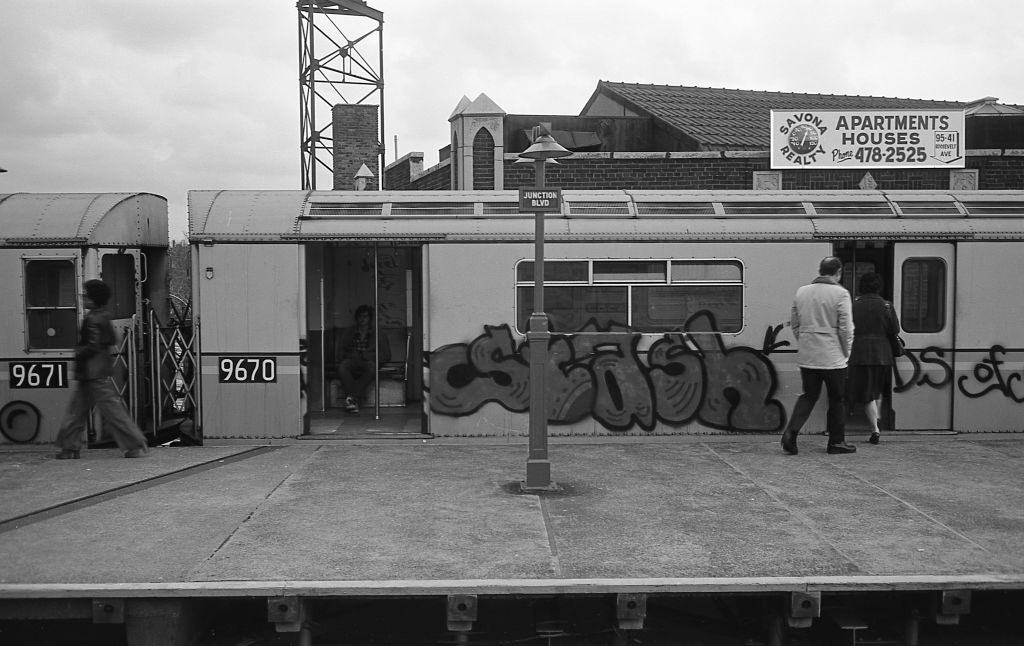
556, 271
650, 296
707, 270
51, 306
660, 309
570, 308
617, 271
923, 306
118, 271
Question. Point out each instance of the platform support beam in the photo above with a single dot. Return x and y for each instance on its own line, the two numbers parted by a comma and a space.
630, 610
461, 612
804, 607
290, 615
163, 622
950, 604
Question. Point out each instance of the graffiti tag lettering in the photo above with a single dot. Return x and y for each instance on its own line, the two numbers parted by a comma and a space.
687, 376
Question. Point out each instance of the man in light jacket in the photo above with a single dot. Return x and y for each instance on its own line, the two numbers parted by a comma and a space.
822, 320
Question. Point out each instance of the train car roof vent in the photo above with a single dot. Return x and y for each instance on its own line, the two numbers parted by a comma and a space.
994, 208
432, 208
598, 208
764, 208
675, 208
344, 210
500, 208
917, 208
853, 208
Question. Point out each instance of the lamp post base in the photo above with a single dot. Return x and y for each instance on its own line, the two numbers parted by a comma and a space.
538, 477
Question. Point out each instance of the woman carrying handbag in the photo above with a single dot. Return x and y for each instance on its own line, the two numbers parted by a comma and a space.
875, 342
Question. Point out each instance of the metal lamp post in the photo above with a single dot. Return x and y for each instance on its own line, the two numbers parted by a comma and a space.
538, 467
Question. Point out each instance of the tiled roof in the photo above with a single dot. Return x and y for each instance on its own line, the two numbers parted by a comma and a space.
738, 119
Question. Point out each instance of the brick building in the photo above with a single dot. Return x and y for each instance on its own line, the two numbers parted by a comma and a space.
634, 136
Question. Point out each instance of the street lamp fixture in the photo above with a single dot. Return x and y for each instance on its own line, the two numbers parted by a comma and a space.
538, 467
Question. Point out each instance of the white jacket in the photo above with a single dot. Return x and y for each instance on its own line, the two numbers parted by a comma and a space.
822, 320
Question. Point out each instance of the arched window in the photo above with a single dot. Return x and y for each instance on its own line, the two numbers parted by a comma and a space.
453, 154
483, 161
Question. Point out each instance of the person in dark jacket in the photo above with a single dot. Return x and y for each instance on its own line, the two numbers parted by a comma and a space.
871, 360
94, 367
356, 358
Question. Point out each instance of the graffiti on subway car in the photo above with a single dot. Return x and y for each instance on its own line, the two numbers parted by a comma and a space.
687, 376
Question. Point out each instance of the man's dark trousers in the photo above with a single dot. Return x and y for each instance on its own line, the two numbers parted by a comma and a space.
835, 385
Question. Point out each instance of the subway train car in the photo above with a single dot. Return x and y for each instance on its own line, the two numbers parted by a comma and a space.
669, 310
50, 244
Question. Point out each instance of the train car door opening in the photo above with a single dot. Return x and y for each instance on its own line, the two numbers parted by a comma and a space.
923, 293
861, 257
341, 277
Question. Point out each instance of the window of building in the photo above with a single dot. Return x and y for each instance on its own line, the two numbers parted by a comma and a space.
923, 305
118, 272
652, 296
51, 305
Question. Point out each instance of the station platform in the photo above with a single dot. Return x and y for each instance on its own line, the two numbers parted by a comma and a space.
443, 516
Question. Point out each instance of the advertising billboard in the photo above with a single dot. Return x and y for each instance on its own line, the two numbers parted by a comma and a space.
867, 139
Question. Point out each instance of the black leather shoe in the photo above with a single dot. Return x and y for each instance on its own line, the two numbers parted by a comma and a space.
874, 438
789, 442
67, 454
841, 447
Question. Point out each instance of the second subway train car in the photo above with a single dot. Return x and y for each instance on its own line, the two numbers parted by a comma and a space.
669, 310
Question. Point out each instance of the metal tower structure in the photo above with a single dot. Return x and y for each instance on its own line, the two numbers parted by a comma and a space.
336, 65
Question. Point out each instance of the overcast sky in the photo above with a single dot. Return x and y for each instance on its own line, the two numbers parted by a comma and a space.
165, 96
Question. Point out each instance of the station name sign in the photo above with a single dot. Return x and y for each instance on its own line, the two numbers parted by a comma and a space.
540, 200
867, 139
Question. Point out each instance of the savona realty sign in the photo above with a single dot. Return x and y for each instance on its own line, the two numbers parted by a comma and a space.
867, 139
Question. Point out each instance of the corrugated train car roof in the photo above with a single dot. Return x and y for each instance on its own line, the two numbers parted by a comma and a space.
482, 216
80, 219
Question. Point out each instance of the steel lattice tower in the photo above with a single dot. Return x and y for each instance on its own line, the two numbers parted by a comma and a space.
336, 38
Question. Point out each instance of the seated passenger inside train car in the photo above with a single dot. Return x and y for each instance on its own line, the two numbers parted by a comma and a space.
353, 362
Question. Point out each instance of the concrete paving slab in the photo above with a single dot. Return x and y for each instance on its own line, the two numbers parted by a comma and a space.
427, 516
394, 512
160, 534
41, 481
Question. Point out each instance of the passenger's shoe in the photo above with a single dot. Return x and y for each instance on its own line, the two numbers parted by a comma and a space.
351, 405
789, 442
841, 447
874, 438
67, 454
136, 453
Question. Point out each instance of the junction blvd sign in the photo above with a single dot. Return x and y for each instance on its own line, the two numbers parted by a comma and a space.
540, 200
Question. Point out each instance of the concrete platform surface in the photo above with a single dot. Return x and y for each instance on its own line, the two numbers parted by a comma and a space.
412, 518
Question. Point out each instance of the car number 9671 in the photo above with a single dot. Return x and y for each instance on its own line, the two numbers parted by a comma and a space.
39, 374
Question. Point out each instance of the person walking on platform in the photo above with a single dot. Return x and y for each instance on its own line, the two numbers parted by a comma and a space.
822, 322
94, 367
871, 358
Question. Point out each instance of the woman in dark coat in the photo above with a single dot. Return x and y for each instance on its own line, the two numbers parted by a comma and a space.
875, 323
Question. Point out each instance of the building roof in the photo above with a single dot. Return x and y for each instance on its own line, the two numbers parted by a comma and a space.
720, 118
76, 219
